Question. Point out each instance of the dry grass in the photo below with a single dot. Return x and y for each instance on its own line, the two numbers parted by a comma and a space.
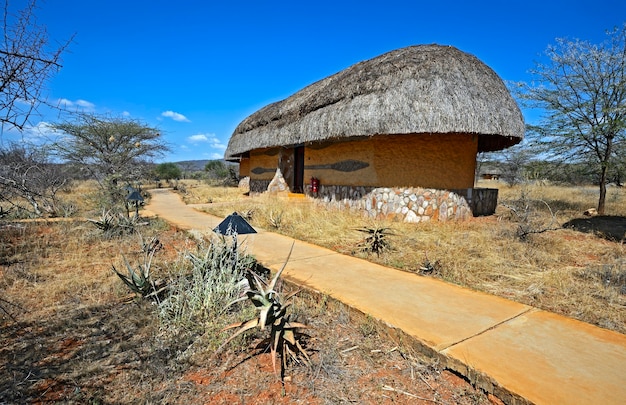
563, 271
79, 337
570, 202
201, 192
58, 264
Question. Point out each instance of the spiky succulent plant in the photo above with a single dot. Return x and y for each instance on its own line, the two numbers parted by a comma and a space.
272, 313
376, 241
139, 280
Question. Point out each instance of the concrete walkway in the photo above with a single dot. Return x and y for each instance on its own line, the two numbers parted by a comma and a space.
519, 353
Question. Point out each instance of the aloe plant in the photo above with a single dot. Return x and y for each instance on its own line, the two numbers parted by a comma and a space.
139, 280
106, 221
112, 224
376, 241
272, 313
276, 219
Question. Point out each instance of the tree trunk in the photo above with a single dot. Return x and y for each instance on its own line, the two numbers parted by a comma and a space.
602, 197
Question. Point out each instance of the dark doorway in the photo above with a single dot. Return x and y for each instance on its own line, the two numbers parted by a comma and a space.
291, 164
298, 170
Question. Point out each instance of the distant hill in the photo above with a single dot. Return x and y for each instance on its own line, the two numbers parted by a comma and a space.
192, 165
197, 165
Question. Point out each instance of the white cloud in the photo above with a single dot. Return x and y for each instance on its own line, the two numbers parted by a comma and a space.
211, 139
175, 116
196, 139
125, 114
85, 104
78, 104
42, 128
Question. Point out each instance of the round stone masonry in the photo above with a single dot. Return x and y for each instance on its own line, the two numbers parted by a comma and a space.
410, 204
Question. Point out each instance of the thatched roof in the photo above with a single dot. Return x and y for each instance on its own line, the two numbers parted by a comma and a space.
420, 89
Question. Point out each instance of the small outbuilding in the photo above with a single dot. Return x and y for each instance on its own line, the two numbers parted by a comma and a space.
404, 125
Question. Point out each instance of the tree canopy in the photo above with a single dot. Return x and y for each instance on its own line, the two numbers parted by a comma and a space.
168, 171
113, 150
216, 169
582, 90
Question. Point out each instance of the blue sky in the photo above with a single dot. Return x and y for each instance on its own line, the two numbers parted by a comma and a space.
195, 69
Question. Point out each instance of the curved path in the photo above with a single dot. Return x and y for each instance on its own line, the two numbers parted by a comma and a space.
519, 353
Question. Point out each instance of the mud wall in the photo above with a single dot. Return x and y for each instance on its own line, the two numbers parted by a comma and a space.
431, 161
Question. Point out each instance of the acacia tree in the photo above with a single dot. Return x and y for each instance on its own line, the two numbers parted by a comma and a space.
27, 62
168, 171
112, 150
218, 170
582, 90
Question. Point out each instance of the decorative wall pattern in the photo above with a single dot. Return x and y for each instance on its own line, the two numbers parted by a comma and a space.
346, 166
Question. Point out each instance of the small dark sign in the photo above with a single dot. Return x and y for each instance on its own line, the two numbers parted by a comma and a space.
135, 196
234, 224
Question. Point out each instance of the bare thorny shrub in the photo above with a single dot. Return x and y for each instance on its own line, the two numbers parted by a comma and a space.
29, 60
30, 183
532, 216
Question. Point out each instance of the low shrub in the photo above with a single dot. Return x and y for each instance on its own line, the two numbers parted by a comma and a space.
204, 283
117, 224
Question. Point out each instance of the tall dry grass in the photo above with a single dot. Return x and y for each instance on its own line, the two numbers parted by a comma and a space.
576, 274
563, 270
79, 337
65, 264
569, 202
205, 192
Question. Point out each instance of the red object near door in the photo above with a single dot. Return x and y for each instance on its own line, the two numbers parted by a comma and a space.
315, 184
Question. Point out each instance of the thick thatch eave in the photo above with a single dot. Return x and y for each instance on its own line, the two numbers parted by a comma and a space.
429, 89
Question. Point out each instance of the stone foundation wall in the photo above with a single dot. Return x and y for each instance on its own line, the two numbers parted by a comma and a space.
411, 204
259, 186
328, 193
244, 183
